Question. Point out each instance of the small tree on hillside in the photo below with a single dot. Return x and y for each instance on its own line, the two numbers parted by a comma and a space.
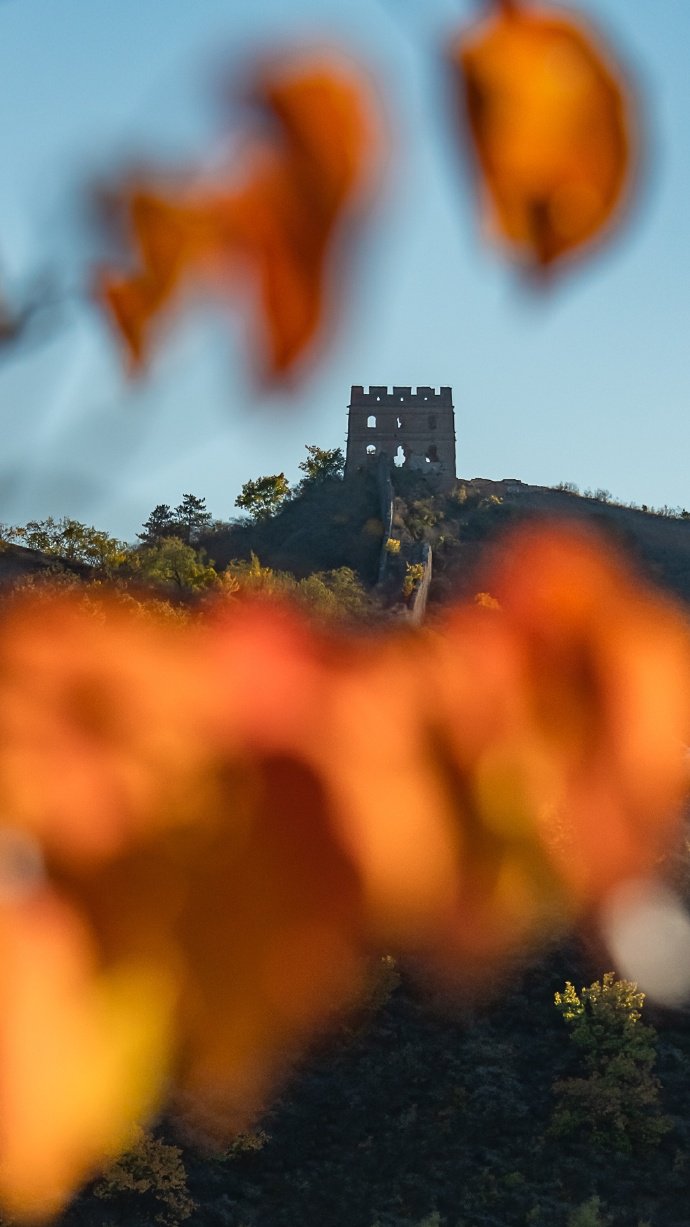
148, 1184
70, 540
176, 565
161, 523
191, 518
321, 464
616, 1104
262, 497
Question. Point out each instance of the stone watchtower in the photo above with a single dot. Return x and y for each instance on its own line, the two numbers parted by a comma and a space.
414, 429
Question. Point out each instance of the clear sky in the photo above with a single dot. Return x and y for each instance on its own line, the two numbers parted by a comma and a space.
590, 383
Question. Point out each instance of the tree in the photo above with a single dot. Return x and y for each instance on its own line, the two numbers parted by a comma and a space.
161, 523
617, 1103
337, 593
176, 564
589, 1214
347, 590
321, 464
249, 576
146, 1185
190, 518
262, 497
70, 540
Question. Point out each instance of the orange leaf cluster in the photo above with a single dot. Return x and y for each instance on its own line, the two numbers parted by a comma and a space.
276, 219
552, 128
210, 829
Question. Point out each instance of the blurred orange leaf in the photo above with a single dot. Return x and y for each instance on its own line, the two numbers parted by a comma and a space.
552, 126
227, 819
277, 219
82, 1054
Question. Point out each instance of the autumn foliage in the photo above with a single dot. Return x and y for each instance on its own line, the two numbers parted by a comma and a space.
552, 126
554, 136
271, 225
213, 826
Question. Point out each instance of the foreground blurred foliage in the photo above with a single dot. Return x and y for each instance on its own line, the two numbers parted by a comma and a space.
552, 127
220, 810
554, 136
271, 225
216, 823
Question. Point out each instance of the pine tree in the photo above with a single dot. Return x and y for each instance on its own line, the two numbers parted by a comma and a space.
191, 518
161, 523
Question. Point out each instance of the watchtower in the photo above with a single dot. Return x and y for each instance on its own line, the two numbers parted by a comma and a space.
414, 428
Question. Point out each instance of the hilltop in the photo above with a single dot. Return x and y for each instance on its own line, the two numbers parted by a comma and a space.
459, 527
338, 523
382, 532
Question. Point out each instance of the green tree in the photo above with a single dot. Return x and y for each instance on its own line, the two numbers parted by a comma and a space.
250, 576
321, 464
146, 1185
71, 541
617, 1102
191, 518
175, 564
262, 497
337, 593
161, 523
589, 1214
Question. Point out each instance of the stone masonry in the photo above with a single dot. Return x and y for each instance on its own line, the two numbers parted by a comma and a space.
413, 428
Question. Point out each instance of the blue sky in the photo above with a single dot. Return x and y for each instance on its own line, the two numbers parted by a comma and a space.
589, 383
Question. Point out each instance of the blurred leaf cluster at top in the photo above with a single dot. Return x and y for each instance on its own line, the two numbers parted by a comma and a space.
544, 115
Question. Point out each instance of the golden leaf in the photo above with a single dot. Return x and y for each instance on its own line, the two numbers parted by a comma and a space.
552, 126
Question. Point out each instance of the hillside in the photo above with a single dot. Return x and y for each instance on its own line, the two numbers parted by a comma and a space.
460, 526
330, 524
338, 523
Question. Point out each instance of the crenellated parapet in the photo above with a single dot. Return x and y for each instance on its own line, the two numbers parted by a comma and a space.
385, 397
414, 428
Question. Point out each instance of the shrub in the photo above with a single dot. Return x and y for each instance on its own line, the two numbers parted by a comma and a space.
617, 1103
147, 1185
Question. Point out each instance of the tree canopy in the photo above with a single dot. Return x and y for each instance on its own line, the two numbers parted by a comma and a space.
321, 464
263, 496
175, 564
70, 540
187, 521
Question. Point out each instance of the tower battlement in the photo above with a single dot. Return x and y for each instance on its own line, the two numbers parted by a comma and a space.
382, 395
413, 427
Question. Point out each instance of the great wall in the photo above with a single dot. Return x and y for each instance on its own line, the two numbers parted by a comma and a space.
413, 431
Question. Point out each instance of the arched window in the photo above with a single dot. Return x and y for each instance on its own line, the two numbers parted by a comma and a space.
399, 457
371, 450
371, 421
